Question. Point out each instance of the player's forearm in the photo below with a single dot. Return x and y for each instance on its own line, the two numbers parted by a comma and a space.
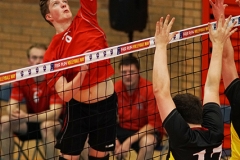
213, 77
142, 132
13, 105
229, 71
44, 116
161, 81
68, 89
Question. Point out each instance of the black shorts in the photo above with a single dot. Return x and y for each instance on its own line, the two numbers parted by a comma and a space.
96, 120
33, 132
123, 134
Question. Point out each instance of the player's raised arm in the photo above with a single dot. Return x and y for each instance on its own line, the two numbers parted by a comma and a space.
88, 8
229, 71
218, 37
161, 79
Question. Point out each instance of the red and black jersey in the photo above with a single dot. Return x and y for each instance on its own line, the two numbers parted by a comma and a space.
204, 143
83, 35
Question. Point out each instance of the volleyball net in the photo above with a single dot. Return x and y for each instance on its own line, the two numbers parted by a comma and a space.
189, 54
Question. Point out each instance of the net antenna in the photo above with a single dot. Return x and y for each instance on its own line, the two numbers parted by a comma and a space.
106, 53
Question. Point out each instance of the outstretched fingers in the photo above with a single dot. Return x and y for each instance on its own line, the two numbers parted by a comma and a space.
230, 29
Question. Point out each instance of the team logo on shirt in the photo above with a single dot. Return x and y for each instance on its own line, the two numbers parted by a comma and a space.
67, 38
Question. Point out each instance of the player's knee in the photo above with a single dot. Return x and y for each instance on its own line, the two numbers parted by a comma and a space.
98, 158
147, 140
5, 125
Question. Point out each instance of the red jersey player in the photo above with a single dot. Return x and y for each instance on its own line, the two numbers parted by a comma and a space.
88, 91
43, 108
138, 117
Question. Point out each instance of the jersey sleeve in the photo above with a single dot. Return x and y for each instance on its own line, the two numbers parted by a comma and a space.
88, 8
177, 128
213, 121
233, 94
16, 93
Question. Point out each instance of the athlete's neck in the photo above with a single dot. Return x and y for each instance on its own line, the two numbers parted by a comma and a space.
61, 27
194, 125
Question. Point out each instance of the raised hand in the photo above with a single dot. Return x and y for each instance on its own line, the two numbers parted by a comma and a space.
162, 34
223, 31
218, 8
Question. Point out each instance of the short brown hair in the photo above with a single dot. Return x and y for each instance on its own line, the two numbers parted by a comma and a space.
44, 4
37, 45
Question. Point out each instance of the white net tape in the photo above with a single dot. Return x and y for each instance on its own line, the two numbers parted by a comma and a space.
106, 53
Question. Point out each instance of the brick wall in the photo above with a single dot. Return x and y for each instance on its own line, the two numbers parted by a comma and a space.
21, 25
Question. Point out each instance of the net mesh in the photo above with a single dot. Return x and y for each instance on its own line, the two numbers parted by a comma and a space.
188, 63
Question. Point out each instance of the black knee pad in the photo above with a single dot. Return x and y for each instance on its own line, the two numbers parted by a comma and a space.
61, 158
98, 158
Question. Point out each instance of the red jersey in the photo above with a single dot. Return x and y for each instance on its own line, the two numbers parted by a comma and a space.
84, 34
138, 109
38, 96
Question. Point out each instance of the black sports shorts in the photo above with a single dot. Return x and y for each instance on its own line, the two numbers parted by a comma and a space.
95, 120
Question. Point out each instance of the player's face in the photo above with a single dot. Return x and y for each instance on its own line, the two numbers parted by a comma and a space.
59, 11
130, 75
36, 56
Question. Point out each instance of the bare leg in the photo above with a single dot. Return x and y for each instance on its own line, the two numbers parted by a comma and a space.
49, 130
84, 154
147, 145
7, 142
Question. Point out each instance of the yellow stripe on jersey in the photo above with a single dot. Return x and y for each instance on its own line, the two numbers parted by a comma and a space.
171, 156
235, 144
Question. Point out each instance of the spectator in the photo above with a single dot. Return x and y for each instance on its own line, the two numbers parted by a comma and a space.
41, 119
139, 123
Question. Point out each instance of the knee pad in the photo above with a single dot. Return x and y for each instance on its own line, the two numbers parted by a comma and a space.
98, 158
61, 158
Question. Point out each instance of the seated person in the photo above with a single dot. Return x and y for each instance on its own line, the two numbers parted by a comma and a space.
139, 124
44, 106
